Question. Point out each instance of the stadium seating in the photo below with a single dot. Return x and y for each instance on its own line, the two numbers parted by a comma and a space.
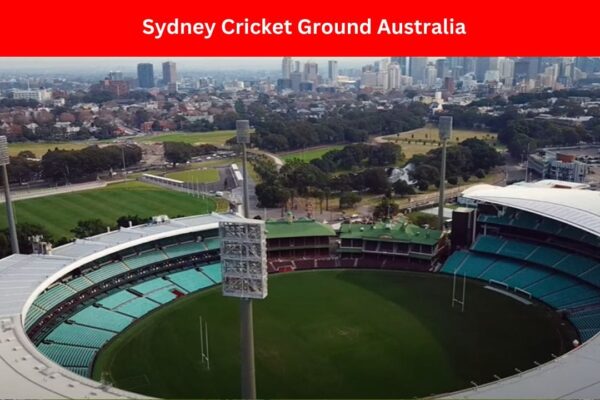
33, 314
137, 307
106, 272
576, 265
454, 262
587, 322
101, 318
53, 296
551, 284
526, 277
80, 283
164, 295
116, 299
499, 271
77, 335
184, 249
190, 280
547, 256
516, 249
213, 271
488, 244
68, 356
212, 243
144, 259
151, 285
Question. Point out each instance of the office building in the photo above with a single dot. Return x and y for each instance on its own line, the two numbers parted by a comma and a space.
145, 75
169, 70
332, 71
286, 67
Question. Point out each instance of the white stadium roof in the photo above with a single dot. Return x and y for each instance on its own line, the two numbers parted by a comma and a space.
579, 208
24, 372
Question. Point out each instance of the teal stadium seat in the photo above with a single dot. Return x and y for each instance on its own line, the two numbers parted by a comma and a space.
184, 249
190, 280
454, 262
138, 307
526, 277
151, 285
78, 335
80, 283
213, 271
116, 299
163, 296
212, 243
68, 356
488, 244
53, 296
500, 270
102, 318
144, 259
106, 271
33, 314
517, 249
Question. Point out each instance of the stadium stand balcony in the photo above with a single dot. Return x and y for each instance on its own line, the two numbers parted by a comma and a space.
54, 296
190, 280
145, 259
115, 300
77, 335
101, 318
106, 272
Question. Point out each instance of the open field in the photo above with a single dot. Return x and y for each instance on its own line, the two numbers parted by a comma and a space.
359, 334
310, 154
430, 133
196, 175
39, 149
60, 213
217, 138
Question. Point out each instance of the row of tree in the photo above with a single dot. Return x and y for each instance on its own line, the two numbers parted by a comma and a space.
359, 155
61, 165
181, 153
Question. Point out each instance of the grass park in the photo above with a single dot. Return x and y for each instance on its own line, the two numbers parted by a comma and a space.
216, 138
41, 148
60, 213
332, 344
310, 154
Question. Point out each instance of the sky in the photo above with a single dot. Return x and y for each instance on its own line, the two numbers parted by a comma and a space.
65, 64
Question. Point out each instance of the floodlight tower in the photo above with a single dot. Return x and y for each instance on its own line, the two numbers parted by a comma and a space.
243, 138
244, 270
445, 131
12, 230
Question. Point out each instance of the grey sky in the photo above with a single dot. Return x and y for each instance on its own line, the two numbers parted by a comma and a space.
54, 64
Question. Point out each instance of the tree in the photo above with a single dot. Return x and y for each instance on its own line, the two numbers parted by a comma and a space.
376, 180
480, 173
401, 188
89, 227
178, 152
271, 194
124, 220
349, 200
453, 180
386, 209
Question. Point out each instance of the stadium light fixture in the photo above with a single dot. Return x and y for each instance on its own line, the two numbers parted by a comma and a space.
244, 270
10, 215
445, 132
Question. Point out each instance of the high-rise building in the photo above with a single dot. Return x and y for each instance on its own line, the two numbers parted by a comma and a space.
394, 73
169, 70
286, 67
311, 72
417, 69
297, 66
506, 66
332, 69
430, 75
404, 63
145, 75
115, 76
295, 80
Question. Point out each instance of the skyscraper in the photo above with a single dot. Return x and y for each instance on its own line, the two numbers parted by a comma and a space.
311, 72
394, 72
286, 67
169, 70
145, 75
404, 63
417, 68
332, 71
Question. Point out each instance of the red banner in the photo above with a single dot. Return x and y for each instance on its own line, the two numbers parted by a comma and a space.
277, 28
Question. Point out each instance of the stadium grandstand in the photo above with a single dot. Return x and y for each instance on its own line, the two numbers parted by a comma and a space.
58, 310
391, 245
540, 242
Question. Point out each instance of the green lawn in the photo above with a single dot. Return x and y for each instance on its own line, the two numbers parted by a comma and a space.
217, 138
196, 175
311, 154
60, 213
336, 334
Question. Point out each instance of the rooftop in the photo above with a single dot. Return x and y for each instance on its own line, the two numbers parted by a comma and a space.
401, 232
281, 229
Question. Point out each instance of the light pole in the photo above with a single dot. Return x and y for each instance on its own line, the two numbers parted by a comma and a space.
246, 317
445, 131
10, 215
